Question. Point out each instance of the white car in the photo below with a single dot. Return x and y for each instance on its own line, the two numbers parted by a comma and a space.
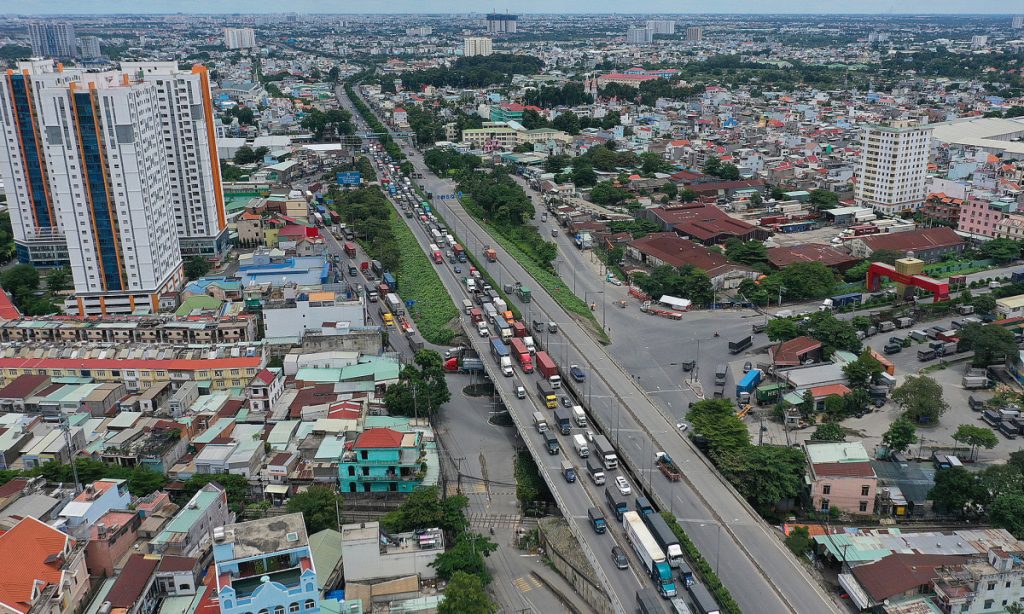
682, 426
623, 486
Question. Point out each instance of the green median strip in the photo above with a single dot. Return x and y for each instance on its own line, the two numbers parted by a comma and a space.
418, 281
707, 573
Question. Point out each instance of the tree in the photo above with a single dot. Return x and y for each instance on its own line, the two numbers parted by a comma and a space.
604, 193
756, 200
991, 344
235, 486
806, 280
829, 431
424, 508
21, 281
421, 388
862, 371
196, 267
799, 540
466, 555
59, 280
824, 199
716, 420
712, 166
464, 594
319, 507
857, 272
687, 195
728, 172
984, 303
583, 174
334, 74
554, 164
245, 155
750, 253
834, 334
1001, 250
782, 329
567, 122
142, 481
532, 120
651, 163
901, 435
1007, 512
955, 489
766, 475
670, 189
920, 397
975, 436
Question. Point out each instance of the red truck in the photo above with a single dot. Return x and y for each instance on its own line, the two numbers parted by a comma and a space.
476, 315
437, 257
519, 329
522, 354
491, 254
350, 250
545, 365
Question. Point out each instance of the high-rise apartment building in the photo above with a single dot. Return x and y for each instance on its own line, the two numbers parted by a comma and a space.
893, 167
239, 38
662, 26
501, 23
1018, 22
639, 36
55, 40
110, 173
695, 34
90, 47
476, 45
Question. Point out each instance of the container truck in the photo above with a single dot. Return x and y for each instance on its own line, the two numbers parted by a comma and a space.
747, 385
650, 554
530, 345
460, 254
519, 330
350, 250
467, 361
597, 520
568, 471
596, 471
547, 368
504, 330
647, 602
394, 304
667, 466
551, 442
643, 506
616, 502
665, 538
605, 452
540, 422
390, 280
547, 396
735, 347
563, 421
579, 442
579, 416
490, 254
770, 393
702, 599
522, 355
500, 351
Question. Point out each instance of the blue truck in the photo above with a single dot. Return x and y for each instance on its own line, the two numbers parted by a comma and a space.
617, 503
499, 349
747, 385
643, 506
390, 280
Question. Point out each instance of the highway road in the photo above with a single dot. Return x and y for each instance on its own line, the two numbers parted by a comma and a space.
751, 560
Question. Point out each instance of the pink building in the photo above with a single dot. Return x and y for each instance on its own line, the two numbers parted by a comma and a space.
110, 541
980, 219
841, 476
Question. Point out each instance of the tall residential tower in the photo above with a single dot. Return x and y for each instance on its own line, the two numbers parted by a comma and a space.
893, 167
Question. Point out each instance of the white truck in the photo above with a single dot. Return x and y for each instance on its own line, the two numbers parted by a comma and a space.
606, 452
596, 471
579, 416
506, 366
540, 422
579, 442
530, 345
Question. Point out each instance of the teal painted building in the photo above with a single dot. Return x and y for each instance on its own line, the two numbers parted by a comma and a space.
383, 460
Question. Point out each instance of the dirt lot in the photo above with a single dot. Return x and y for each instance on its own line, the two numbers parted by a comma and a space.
821, 236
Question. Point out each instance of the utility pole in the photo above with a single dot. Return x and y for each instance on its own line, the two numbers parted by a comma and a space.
65, 426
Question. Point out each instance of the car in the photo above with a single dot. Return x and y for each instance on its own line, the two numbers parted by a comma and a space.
747, 367
577, 373
619, 556
892, 348
623, 486
682, 426
520, 392
566, 401
458, 269
590, 436
614, 281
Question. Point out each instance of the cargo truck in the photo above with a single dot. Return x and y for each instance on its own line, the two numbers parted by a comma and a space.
747, 385
540, 422
519, 330
547, 395
500, 351
523, 293
563, 421
390, 280
597, 520
568, 471
720, 374
596, 471
522, 355
975, 378
530, 345
735, 347
667, 466
491, 254
460, 254
702, 599
616, 502
467, 361
579, 442
579, 416
551, 442
666, 539
643, 506
350, 250
770, 393
547, 368
504, 330
606, 452
651, 555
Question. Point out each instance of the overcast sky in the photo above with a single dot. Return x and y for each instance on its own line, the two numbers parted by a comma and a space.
519, 6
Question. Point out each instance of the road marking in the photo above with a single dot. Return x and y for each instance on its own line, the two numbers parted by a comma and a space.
525, 584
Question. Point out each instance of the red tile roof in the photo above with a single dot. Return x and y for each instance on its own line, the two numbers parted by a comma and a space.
266, 376
780, 257
924, 239
676, 251
379, 438
7, 309
132, 582
844, 470
27, 556
829, 390
706, 230
177, 563
13, 487
789, 353
23, 386
113, 363
899, 573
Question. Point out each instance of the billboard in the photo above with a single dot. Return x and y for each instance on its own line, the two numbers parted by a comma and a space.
349, 178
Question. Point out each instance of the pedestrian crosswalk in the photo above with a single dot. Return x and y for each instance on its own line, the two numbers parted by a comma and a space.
525, 584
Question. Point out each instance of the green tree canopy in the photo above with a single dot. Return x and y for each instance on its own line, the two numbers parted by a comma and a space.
750, 253
196, 267
862, 371
1001, 250
782, 329
976, 437
834, 334
685, 282
716, 420
1007, 512
421, 389
245, 155
765, 474
318, 506
466, 555
901, 435
424, 508
829, 431
920, 397
956, 490
991, 344
465, 594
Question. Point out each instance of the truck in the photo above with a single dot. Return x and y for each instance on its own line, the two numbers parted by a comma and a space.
721, 371
702, 599
522, 355
435, 253
547, 395
647, 602
491, 254
466, 361
605, 452
666, 539
597, 520
735, 347
519, 330
925, 355
390, 280
643, 506
579, 442
394, 304
530, 345
350, 249
975, 378
548, 369
616, 502
904, 322
770, 393
747, 385
459, 252
551, 442
563, 421
523, 293
500, 351
583, 240
650, 308
579, 416
568, 471
667, 466
476, 315
651, 555
504, 330
540, 422
596, 471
